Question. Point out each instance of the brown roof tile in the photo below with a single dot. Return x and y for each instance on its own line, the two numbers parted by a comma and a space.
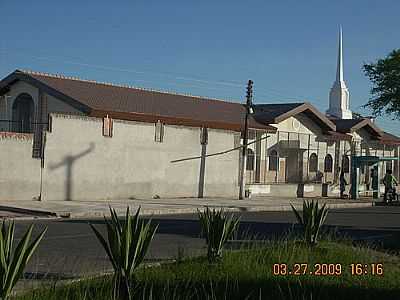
389, 139
139, 104
351, 125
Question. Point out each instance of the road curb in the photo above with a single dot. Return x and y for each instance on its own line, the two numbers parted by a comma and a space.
155, 212
172, 211
27, 211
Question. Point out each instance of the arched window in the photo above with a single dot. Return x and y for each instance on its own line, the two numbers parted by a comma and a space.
250, 160
345, 164
273, 160
313, 164
22, 114
328, 163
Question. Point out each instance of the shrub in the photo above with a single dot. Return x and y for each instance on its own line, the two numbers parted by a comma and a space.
217, 228
127, 246
311, 220
12, 263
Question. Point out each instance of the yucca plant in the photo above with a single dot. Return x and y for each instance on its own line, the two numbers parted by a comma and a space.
216, 227
128, 242
311, 220
12, 263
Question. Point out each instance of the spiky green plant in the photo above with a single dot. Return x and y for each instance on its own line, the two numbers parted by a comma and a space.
126, 248
311, 220
216, 227
12, 263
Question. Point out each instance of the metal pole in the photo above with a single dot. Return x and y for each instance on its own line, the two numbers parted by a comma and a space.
245, 138
398, 164
277, 158
308, 157
265, 159
243, 164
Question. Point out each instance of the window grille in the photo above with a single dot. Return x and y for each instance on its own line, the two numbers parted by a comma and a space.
159, 132
328, 164
107, 127
313, 165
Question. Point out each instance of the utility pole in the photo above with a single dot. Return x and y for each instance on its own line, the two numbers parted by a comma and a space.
249, 110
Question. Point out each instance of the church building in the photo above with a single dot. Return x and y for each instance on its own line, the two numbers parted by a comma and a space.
64, 138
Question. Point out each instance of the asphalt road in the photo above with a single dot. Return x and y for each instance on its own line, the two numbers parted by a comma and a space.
70, 248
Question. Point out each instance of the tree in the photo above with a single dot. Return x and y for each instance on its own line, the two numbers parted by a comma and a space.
385, 77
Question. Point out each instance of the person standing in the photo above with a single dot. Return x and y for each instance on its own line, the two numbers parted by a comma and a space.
342, 184
389, 181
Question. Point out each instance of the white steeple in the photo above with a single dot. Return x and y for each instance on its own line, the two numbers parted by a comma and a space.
339, 95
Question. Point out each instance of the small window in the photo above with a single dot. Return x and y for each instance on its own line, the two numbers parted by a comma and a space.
273, 160
345, 164
204, 136
389, 166
313, 163
328, 163
107, 127
250, 160
159, 132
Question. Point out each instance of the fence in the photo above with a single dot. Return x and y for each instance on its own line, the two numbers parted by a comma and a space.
22, 126
288, 157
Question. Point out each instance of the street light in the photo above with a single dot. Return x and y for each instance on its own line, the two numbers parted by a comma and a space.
249, 111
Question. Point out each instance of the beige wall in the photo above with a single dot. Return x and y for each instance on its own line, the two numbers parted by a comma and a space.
19, 172
82, 164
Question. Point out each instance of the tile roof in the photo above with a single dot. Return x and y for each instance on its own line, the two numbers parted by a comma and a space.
272, 111
334, 135
134, 103
345, 125
351, 125
276, 113
389, 139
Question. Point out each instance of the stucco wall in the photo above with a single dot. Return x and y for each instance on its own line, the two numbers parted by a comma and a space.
19, 172
82, 164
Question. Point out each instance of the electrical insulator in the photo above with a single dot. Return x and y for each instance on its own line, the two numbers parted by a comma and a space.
250, 89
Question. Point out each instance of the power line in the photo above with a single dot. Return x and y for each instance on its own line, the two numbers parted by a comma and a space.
207, 83
221, 152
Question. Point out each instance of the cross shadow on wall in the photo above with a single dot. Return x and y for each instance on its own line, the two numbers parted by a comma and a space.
69, 162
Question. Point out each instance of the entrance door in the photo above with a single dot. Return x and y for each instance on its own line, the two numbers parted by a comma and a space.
293, 166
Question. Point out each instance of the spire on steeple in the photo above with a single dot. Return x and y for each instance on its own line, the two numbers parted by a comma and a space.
339, 70
339, 95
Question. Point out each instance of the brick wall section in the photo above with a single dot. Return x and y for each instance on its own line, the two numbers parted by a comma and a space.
16, 136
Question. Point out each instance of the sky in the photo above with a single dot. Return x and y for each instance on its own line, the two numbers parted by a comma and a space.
205, 48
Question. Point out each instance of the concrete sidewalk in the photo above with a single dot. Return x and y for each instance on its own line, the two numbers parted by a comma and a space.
96, 209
